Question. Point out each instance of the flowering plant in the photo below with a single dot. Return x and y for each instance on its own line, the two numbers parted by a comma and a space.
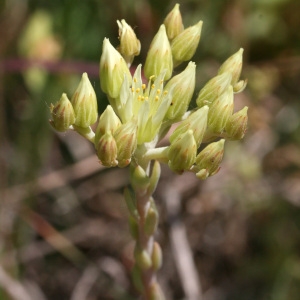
141, 113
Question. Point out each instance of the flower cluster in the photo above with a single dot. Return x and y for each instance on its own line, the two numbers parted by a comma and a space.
143, 106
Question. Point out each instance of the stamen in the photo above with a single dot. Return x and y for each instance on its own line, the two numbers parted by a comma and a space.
156, 98
137, 90
143, 86
158, 92
134, 80
132, 89
153, 86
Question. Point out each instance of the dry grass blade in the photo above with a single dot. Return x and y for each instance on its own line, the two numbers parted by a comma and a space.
181, 250
12, 287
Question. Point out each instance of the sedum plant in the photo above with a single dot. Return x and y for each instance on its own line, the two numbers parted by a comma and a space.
143, 106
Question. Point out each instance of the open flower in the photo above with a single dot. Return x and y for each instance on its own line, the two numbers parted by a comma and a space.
148, 103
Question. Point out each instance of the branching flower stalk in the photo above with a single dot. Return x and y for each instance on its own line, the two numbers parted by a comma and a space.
140, 114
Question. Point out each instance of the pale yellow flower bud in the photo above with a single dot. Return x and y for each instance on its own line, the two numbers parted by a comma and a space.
197, 122
108, 122
173, 22
182, 152
130, 46
213, 89
182, 86
107, 150
113, 69
209, 159
220, 111
234, 65
237, 125
126, 140
62, 113
159, 57
185, 44
84, 102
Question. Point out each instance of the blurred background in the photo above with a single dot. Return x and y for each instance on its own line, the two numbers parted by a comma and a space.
63, 223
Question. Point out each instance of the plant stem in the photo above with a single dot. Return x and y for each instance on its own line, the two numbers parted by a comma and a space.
160, 154
87, 133
144, 242
145, 237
